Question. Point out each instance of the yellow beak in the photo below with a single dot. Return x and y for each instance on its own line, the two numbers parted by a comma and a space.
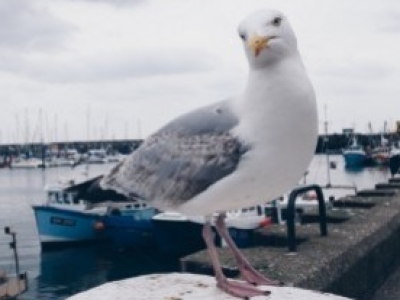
257, 43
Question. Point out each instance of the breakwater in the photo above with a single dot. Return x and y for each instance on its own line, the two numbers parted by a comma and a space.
37, 149
333, 143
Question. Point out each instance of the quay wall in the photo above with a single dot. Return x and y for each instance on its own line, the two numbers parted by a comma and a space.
353, 260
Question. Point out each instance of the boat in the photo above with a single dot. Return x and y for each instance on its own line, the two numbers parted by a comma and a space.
68, 217
177, 235
65, 219
394, 161
354, 155
12, 286
5, 161
381, 154
26, 163
97, 156
129, 225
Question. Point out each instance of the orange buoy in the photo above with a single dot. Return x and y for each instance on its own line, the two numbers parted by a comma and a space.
98, 225
265, 222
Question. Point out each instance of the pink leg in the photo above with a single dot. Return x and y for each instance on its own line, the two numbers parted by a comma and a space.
248, 273
234, 288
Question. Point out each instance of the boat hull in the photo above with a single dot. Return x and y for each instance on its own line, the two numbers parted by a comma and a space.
61, 226
182, 237
354, 159
131, 230
178, 238
394, 163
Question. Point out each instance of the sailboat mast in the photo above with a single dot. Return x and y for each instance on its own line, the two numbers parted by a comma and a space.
328, 169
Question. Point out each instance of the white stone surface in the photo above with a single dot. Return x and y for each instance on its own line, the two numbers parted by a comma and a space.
185, 286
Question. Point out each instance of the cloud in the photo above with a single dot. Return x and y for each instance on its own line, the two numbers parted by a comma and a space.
110, 66
358, 71
25, 26
391, 22
115, 2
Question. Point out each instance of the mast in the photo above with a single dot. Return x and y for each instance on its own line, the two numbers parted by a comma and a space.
43, 151
328, 169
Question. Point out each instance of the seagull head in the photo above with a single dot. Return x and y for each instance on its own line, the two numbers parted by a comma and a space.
267, 37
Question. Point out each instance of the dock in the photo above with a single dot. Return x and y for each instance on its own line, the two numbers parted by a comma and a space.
11, 287
361, 250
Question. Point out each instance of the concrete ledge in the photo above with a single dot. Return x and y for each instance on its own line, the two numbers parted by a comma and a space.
352, 261
389, 186
186, 287
377, 193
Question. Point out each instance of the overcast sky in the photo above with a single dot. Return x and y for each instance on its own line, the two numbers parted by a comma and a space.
95, 69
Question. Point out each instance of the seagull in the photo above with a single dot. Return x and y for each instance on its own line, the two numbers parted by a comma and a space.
240, 152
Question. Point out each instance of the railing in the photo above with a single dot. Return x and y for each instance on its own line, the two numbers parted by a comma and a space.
291, 213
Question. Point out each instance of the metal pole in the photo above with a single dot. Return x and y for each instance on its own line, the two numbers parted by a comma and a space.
328, 169
13, 245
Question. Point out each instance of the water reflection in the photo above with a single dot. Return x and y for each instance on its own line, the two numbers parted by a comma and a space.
66, 272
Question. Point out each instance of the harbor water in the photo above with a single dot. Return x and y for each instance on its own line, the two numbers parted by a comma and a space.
57, 274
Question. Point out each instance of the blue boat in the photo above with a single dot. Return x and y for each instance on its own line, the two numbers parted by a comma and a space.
67, 217
179, 235
64, 226
130, 226
354, 155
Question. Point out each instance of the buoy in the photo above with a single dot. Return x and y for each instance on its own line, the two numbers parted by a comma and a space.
265, 222
98, 225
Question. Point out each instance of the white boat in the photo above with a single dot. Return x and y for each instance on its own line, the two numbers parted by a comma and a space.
29, 163
381, 154
97, 156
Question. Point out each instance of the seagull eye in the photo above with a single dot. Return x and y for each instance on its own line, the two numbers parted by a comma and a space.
277, 21
242, 36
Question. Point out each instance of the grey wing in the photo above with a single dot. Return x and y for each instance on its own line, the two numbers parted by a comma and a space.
215, 118
182, 159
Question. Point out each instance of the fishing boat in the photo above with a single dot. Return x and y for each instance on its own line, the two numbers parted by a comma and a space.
178, 235
130, 226
394, 161
381, 154
354, 155
68, 217
65, 219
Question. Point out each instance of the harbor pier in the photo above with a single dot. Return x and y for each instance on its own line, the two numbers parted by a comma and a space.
361, 250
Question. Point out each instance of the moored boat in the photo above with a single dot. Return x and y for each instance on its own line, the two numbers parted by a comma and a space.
394, 161
381, 154
354, 155
178, 235
130, 226
65, 219
28, 163
68, 217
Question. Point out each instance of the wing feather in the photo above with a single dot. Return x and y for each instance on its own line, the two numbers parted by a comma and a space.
176, 167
